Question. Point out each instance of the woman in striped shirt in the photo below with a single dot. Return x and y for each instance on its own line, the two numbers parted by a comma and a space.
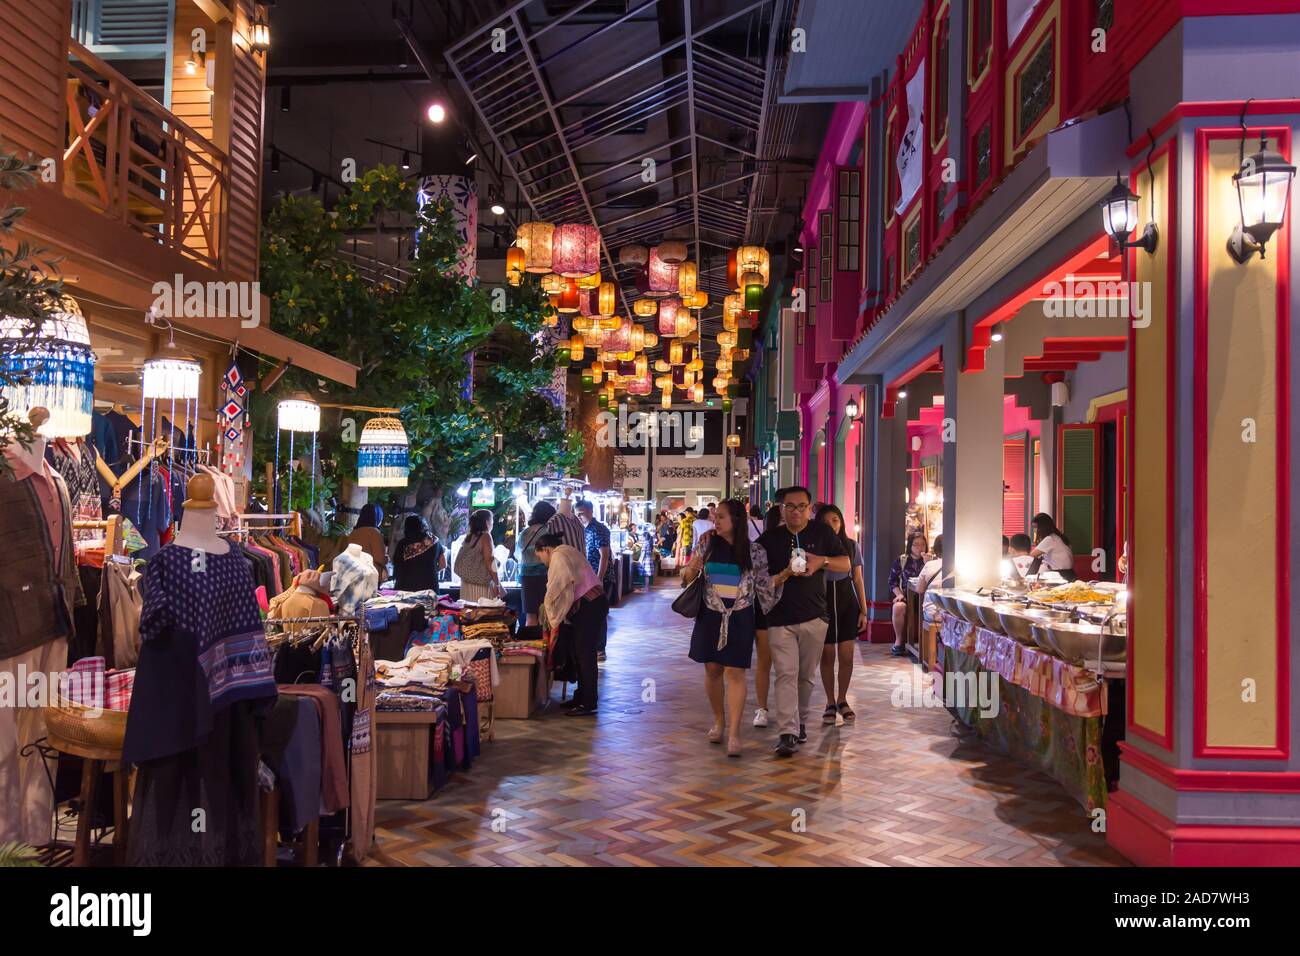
736, 584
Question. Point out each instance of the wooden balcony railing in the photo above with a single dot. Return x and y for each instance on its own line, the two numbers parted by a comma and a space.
135, 162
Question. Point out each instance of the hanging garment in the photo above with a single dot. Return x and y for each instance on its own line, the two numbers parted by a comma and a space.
85, 486
335, 793
365, 781
26, 797
305, 599
121, 603
146, 501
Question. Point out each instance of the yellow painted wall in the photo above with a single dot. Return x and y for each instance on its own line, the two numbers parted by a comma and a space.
1241, 492
1151, 576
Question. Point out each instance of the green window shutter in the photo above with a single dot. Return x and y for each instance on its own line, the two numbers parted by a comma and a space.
1077, 521
1078, 460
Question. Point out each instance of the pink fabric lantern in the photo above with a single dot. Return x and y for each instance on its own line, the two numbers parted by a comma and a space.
575, 250
668, 309
661, 276
641, 385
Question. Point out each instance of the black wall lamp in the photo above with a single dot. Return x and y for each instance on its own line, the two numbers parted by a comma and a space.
1119, 214
1263, 186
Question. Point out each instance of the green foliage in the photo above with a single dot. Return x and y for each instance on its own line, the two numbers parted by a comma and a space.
410, 340
17, 855
29, 289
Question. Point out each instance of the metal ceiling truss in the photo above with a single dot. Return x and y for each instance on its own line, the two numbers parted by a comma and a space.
558, 97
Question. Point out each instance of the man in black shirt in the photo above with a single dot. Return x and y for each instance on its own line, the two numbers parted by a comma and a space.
797, 554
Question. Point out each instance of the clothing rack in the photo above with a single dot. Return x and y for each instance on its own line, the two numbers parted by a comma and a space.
112, 527
292, 523
202, 455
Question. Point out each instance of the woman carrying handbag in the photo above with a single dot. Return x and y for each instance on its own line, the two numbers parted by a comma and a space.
728, 572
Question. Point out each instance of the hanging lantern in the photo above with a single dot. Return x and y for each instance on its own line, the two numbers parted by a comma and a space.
642, 366
727, 338
661, 365
661, 275
633, 255
688, 277
671, 251
675, 353
618, 340
637, 343
732, 308
583, 323
536, 239
645, 307
606, 298
610, 322
552, 284
651, 339
640, 385
576, 250
696, 364
726, 405
383, 459
666, 400
696, 300
515, 262
298, 413
569, 301
720, 384
576, 348
590, 282
588, 381
668, 311
733, 441
753, 283
752, 259
697, 392
733, 279
58, 371
663, 381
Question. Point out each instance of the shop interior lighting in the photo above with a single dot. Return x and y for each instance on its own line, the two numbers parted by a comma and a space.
437, 112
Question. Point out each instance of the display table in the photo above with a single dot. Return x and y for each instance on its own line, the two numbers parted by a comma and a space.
1049, 713
405, 764
523, 688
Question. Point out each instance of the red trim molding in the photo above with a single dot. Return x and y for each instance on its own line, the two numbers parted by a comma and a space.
1163, 740
1281, 252
982, 331
1209, 781
1183, 111
1150, 839
892, 388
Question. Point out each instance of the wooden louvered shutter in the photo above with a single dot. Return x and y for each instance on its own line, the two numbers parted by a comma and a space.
1078, 491
1013, 486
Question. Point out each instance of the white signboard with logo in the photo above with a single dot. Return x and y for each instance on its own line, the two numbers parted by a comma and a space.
909, 149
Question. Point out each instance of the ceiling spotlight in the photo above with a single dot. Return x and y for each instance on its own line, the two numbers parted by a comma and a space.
406, 159
902, 393
996, 335
472, 157
275, 160
498, 209
798, 247
284, 98
437, 113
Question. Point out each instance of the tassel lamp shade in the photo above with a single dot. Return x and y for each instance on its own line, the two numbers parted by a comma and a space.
536, 239
58, 370
576, 250
298, 414
382, 459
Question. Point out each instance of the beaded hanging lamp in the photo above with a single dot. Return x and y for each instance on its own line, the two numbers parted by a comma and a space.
58, 370
383, 459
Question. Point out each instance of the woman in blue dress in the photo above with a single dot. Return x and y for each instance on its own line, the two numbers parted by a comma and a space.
736, 583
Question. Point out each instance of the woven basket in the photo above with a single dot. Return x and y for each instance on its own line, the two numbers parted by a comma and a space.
481, 671
83, 727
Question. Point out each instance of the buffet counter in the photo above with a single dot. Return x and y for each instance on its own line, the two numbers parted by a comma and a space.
1059, 699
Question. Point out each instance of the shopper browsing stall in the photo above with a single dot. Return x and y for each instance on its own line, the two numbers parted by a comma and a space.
796, 624
906, 566
475, 563
599, 556
575, 610
532, 572
420, 557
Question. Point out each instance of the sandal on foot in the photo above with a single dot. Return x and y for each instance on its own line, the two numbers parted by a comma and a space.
715, 735
847, 712
734, 747
828, 715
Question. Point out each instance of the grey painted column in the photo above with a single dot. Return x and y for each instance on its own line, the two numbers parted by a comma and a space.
973, 502
884, 464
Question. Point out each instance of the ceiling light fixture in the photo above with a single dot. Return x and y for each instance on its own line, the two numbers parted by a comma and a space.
406, 159
437, 112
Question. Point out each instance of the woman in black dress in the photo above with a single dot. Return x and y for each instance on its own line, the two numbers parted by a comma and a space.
845, 600
419, 558
736, 583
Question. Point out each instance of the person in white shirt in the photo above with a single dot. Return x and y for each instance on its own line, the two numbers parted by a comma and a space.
1051, 548
701, 525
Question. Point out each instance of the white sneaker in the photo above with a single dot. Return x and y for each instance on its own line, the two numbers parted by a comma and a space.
760, 717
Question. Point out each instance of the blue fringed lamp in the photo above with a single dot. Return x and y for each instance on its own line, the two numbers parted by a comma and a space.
382, 459
57, 372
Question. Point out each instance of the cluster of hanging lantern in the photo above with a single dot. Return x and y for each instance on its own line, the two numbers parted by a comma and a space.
567, 259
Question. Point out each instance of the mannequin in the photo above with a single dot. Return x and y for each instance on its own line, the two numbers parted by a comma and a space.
356, 579
198, 531
34, 455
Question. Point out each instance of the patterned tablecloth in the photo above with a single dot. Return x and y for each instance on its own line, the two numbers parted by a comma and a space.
1049, 713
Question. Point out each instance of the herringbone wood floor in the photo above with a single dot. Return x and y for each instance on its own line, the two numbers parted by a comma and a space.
639, 785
